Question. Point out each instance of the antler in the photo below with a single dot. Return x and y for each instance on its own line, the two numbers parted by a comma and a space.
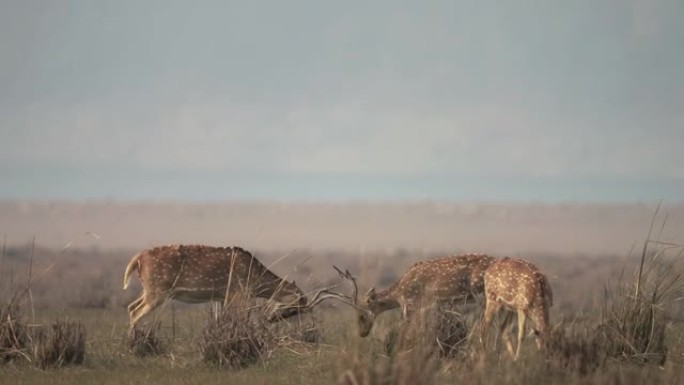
349, 276
326, 293
322, 294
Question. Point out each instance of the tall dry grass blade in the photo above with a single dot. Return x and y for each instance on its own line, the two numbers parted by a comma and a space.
637, 290
30, 281
62, 253
2, 258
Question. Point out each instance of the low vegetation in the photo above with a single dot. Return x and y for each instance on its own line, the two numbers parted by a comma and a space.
624, 328
237, 336
145, 341
14, 338
60, 344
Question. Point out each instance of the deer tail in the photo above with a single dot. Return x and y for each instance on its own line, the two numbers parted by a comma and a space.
134, 264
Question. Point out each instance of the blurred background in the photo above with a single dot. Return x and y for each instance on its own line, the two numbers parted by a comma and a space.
342, 126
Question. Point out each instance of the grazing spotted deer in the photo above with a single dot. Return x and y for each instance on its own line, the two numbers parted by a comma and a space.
450, 278
520, 287
196, 274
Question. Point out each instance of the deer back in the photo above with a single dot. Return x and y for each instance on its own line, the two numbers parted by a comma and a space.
517, 284
206, 268
453, 277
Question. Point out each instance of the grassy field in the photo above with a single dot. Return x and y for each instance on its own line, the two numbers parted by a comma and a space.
601, 334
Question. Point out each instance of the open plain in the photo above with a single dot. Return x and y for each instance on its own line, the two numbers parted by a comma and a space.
67, 260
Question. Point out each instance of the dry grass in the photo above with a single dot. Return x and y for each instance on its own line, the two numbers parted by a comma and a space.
144, 341
304, 329
577, 348
14, 337
444, 328
636, 314
61, 344
627, 335
416, 366
237, 336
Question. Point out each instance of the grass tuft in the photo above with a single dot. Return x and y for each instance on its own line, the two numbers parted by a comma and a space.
14, 338
443, 328
236, 337
635, 314
304, 329
577, 349
144, 341
62, 344
417, 366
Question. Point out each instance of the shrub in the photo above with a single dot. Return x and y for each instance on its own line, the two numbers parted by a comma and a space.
578, 349
442, 327
414, 367
63, 343
144, 341
238, 336
635, 315
14, 338
305, 329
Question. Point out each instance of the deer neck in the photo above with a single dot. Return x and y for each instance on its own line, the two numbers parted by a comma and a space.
383, 301
271, 286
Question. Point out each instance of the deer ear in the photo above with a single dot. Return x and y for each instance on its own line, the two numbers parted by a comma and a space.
370, 294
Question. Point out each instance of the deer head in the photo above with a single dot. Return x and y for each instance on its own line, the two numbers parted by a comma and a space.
287, 302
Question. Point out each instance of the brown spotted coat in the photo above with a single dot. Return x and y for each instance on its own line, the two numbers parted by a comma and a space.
518, 286
197, 273
458, 277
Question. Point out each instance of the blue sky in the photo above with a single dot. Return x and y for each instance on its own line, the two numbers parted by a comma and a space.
311, 100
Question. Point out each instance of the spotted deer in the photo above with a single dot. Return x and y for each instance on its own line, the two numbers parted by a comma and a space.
197, 274
520, 287
450, 278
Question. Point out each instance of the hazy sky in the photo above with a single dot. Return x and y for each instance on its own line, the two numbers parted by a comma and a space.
321, 100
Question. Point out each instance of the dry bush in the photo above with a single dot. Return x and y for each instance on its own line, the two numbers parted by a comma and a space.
442, 327
418, 366
451, 330
237, 336
635, 315
14, 338
63, 343
144, 341
302, 329
577, 349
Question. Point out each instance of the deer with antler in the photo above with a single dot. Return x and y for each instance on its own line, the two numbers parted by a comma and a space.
445, 279
197, 274
518, 286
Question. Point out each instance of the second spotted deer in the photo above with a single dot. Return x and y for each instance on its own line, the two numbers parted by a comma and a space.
451, 278
518, 286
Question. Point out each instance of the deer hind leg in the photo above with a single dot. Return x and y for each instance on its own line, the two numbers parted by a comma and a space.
505, 330
491, 308
135, 303
521, 331
540, 323
143, 305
